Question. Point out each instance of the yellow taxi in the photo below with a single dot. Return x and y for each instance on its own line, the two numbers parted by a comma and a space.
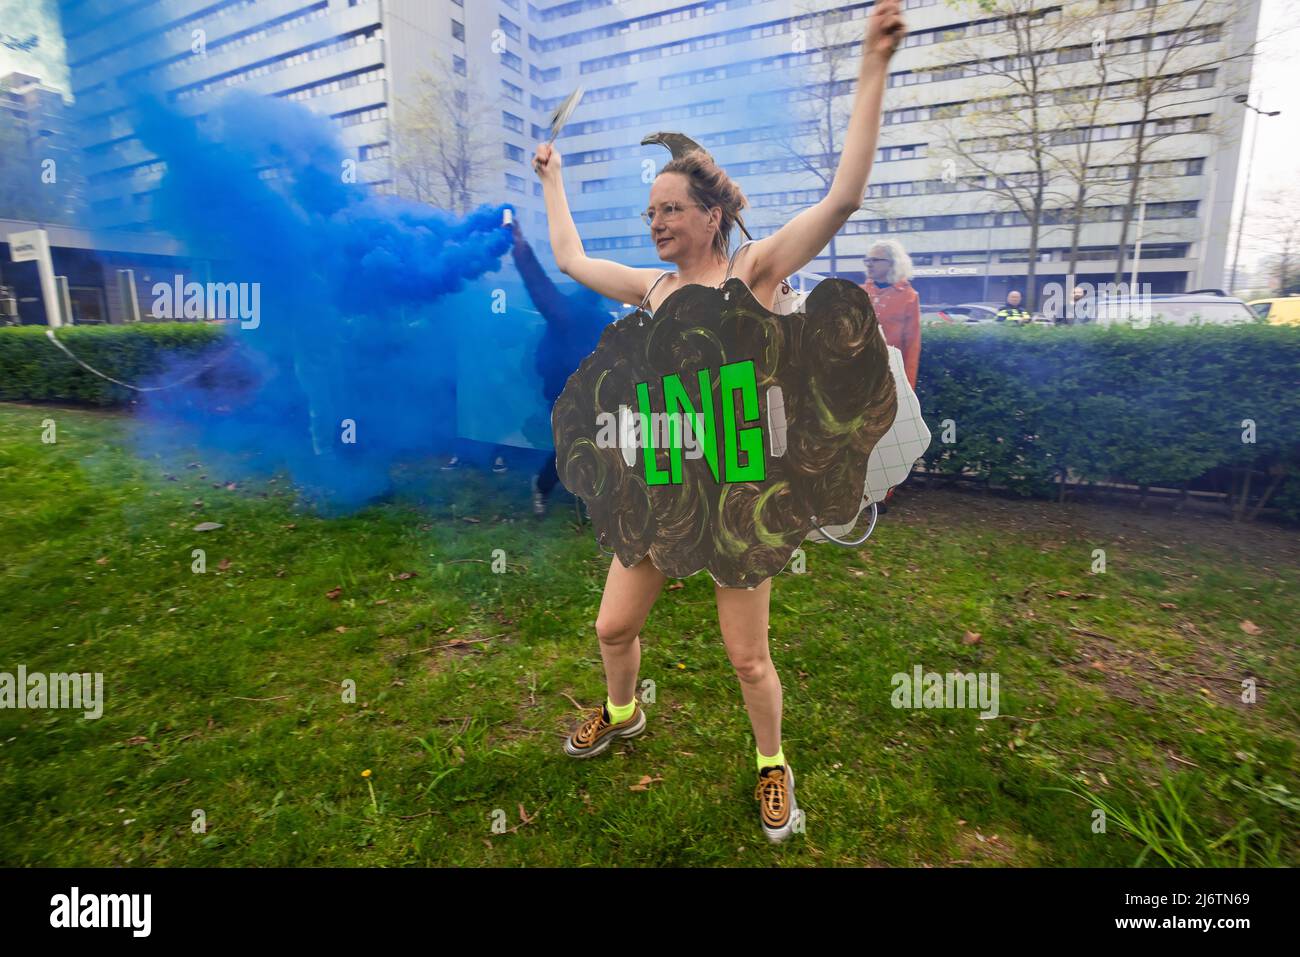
1279, 312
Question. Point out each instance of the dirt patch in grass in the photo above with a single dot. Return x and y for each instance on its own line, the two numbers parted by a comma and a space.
1257, 543
974, 846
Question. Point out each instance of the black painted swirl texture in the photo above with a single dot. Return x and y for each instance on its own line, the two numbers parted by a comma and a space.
832, 365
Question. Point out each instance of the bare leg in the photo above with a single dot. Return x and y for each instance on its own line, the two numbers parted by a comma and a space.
629, 595
742, 615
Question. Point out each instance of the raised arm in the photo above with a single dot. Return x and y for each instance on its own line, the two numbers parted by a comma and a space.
618, 282
548, 299
796, 243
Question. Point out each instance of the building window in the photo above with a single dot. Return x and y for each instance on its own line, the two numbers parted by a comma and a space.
512, 152
458, 64
514, 183
512, 122
458, 30
512, 92
508, 28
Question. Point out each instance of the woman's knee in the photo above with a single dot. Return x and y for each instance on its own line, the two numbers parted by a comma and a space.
614, 630
752, 669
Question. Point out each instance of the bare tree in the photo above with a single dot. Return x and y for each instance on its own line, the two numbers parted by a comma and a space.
443, 152
1008, 137
1276, 230
825, 102
1081, 107
1169, 51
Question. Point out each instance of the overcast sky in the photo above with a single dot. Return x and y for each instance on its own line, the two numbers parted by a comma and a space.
1275, 85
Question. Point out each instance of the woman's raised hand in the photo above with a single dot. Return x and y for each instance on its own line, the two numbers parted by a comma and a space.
885, 28
546, 162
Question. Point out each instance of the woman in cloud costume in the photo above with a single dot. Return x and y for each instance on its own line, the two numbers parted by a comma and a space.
708, 339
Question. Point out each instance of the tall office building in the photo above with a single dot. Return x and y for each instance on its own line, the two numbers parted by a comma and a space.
726, 72
40, 168
947, 182
339, 57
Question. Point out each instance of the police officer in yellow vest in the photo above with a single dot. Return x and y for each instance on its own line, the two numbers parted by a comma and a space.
1011, 312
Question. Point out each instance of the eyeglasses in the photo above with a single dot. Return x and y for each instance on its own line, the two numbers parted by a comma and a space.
878, 259
666, 212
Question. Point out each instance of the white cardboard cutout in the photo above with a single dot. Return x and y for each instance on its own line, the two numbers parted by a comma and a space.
898, 449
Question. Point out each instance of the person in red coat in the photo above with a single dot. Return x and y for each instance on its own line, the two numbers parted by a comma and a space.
897, 306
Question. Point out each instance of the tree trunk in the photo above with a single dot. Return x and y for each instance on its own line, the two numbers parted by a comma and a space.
1031, 298
1121, 252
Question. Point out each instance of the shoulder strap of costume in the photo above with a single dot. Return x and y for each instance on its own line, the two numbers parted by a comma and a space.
732, 262
646, 300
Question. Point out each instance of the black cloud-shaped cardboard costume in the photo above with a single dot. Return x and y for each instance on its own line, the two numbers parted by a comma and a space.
786, 409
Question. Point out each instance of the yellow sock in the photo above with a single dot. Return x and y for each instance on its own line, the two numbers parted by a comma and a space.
619, 712
765, 762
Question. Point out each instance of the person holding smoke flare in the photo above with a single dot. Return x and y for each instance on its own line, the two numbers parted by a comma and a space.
573, 326
693, 208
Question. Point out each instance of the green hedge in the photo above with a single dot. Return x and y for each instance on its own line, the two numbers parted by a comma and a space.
1157, 406
33, 368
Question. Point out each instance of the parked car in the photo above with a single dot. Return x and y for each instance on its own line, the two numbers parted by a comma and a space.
988, 312
1181, 309
937, 316
948, 315
1280, 312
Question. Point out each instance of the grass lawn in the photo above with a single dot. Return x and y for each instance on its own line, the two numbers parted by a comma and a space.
225, 692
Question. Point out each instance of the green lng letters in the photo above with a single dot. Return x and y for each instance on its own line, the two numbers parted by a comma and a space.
733, 377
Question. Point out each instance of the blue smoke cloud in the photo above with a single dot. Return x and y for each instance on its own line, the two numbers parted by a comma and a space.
349, 367
377, 312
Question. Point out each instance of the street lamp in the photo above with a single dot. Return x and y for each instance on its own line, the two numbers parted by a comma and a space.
1245, 193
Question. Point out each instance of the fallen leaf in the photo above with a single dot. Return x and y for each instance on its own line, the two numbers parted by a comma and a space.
341, 629
223, 564
333, 593
1250, 628
208, 526
676, 585
403, 576
102, 561
138, 739
470, 519
230, 486
1168, 605
970, 638
381, 601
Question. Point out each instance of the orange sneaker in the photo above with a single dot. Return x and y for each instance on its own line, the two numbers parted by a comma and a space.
597, 733
777, 808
